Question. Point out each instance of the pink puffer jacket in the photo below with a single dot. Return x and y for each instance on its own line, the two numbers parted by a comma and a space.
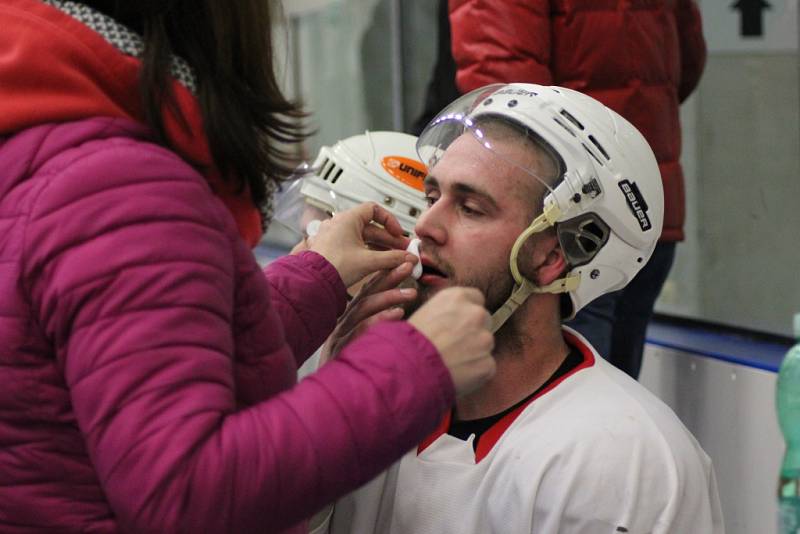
147, 364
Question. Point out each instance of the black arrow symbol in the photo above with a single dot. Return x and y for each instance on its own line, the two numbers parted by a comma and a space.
752, 16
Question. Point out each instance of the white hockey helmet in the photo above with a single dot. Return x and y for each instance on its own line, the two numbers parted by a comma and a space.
607, 202
379, 167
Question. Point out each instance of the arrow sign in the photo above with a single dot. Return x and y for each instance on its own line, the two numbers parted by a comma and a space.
752, 16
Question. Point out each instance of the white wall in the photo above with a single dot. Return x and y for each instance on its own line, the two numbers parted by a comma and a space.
730, 410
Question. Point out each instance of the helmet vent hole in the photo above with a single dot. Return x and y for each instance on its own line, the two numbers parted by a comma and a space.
572, 119
591, 153
599, 147
567, 128
589, 246
322, 168
512, 103
337, 175
327, 167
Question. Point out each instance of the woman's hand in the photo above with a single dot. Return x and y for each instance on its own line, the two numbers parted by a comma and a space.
377, 300
459, 326
349, 239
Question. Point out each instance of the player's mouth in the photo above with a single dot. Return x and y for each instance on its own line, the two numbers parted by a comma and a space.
431, 274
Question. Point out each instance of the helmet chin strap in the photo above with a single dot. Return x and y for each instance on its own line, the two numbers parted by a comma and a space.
523, 288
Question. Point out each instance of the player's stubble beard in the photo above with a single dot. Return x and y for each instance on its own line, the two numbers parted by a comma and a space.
496, 289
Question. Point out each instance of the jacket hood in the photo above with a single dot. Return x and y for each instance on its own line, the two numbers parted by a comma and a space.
62, 61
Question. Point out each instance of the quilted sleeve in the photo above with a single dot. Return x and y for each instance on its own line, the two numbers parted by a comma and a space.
692, 44
308, 294
128, 264
500, 41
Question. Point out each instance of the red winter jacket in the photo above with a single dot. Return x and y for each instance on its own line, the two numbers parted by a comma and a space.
639, 57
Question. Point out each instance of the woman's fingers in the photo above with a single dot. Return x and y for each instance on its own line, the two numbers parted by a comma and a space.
386, 280
342, 241
382, 260
350, 327
378, 295
371, 212
380, 238
302, 246
384, 300
373, 304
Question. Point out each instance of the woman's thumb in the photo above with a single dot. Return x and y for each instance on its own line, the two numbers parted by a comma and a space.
388, 259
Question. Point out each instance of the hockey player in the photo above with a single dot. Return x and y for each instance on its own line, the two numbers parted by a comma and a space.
543, 199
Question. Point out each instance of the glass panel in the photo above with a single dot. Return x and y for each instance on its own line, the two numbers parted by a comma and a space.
740, 263
341, 58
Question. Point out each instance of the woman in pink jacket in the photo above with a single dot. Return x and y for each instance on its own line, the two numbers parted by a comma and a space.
147, 365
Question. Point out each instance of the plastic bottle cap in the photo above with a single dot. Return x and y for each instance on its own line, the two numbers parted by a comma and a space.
797, 325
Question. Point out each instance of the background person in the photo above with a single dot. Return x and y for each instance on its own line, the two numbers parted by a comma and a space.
148, 365
639, 59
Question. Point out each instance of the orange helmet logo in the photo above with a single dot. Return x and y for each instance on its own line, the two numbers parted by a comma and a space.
409, 171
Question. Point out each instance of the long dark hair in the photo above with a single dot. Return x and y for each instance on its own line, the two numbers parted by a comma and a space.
251, 126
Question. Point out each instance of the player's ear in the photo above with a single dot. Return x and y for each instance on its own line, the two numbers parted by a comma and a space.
552, 267
548, 260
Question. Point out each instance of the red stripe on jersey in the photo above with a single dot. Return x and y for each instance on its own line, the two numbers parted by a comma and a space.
441, 429
489, 438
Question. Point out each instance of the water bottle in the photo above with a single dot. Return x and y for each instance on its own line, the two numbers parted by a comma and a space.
788, 405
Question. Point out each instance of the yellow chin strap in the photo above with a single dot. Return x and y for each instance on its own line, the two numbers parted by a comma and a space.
523, 288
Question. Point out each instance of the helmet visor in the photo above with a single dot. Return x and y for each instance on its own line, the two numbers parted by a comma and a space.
294, 210
497, 130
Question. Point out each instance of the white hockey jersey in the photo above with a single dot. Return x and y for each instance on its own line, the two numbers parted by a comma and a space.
593, 453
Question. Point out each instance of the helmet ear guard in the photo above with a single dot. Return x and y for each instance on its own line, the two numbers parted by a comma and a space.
582, 237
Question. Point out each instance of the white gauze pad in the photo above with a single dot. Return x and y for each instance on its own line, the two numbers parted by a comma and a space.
313, 227
413, 248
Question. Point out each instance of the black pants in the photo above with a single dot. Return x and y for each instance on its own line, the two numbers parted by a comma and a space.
615, 324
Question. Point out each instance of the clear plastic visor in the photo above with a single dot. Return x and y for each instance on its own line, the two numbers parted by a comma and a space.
516, 146
293, 210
